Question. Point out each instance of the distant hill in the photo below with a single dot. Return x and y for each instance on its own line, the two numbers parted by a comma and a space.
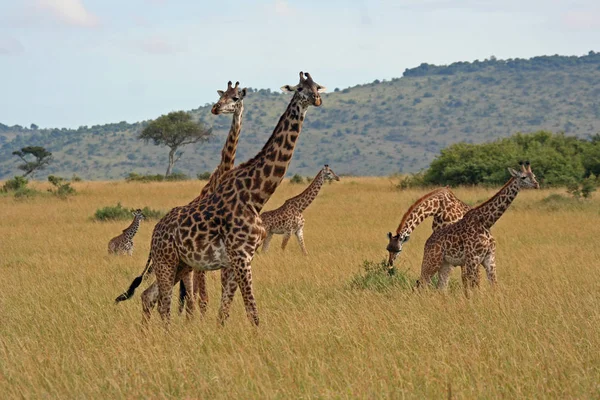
372, 129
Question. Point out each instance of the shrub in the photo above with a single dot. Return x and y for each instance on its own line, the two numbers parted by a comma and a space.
76, 178
204, 176
176, 176
25, 193
379, 277
411, 181
16, 183
296, 179
584, 189
63, 188
118, 212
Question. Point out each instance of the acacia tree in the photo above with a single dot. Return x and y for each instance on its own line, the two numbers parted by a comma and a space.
42, 158
174, 130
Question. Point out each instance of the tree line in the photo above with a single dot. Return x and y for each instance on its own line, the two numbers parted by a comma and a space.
557, 160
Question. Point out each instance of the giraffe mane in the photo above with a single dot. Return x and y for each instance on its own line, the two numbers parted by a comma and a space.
417, 203
511, 180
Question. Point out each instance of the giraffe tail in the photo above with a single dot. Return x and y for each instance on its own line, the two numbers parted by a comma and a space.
136, 282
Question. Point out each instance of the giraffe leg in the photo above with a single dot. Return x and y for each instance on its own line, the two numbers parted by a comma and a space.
187, 281
200, 291
228, 288
266, 243
149, 298
286, 238
489, 263
300, 237
470, 276
165, 279
444, 275
432, 262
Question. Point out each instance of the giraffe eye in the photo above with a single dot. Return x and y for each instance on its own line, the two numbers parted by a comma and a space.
236, 98
299, 89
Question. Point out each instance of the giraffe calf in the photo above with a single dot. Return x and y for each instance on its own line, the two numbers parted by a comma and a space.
123, 244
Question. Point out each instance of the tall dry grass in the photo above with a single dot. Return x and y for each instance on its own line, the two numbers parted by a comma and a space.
536, 336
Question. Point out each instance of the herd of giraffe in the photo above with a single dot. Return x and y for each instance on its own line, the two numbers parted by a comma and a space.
223, 227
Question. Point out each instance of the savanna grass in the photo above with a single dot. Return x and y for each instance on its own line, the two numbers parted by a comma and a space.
535, 336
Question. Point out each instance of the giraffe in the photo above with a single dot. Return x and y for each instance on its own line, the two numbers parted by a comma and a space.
440, 203
123, 244
287, 219
468, 242
224, 229
230, 101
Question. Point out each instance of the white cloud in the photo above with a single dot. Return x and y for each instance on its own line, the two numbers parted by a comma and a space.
10, 46
157, 45
282, 8
71, 12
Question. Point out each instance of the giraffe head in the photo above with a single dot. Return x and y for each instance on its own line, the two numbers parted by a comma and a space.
328, 174
137, 214
308, 92
229, 100
394, 246
525, 178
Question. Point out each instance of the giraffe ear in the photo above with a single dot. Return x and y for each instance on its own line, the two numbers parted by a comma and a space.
288, 88
242, 93
389, 235
513, 173
321, 89
406, 238
221, 93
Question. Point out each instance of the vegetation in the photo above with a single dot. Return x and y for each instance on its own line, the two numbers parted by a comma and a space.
204, 176
41, 159
379, 128
118, 212
379, 277
16, 183
533, 337
174, 130
557, 159
62, 189
173, 177
297, 179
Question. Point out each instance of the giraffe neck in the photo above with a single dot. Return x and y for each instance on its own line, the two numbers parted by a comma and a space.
230, 147
490, 211
132, 229
426, 206
254, 182
304, 199
227, 153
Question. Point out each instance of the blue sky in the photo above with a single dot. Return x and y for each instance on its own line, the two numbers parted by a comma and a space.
67, 63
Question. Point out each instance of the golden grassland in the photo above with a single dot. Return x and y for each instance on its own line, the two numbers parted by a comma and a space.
536, 336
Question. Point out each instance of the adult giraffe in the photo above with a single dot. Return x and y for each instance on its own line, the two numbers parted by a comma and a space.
468, 242
223, 230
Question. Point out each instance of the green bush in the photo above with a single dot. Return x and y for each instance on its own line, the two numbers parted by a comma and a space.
379, 277
296, 179
16, 183
76, 178
411, 181
176, 176
63, 188
204, 176
25, 193
118, 212
556, 159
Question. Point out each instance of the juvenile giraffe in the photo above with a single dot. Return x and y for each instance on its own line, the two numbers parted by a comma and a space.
123, 244
440, 203
287, 219
468, 242
224, 229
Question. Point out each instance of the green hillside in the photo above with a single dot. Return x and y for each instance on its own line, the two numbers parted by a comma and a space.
373, 129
